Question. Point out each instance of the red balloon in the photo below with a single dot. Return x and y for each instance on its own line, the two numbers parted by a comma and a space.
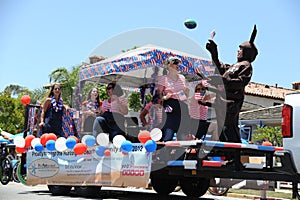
21, 149
144, 136
267, 143
44, 138
51, 136
28, 140
107, 152
80, 148
25, 99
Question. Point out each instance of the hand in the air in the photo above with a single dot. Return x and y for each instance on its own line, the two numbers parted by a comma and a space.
211, 46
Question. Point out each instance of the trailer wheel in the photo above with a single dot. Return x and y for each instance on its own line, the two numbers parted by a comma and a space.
194, 187
87, 191
57, 190
163, 186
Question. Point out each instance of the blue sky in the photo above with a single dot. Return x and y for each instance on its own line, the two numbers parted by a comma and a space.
37, 37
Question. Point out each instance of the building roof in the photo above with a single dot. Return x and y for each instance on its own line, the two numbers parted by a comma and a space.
263, 90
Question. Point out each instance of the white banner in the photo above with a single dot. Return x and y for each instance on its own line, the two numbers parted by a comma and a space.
67, 168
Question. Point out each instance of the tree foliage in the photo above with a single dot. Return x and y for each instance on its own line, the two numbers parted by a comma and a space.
134, 102
268, 133
11, 112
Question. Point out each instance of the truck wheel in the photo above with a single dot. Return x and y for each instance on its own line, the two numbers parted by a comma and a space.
57, 190
163, 186
194, 187
87, 191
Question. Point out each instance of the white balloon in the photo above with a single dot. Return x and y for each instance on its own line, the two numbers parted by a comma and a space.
156, 134
19, 141
118, 140
35, 141
84, 138
60, 144
102, 139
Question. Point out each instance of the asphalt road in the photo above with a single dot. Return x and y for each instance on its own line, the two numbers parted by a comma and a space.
17, 191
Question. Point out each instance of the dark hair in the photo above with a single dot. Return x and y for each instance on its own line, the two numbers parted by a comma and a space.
51, 94
156, 97
97, 98
117, 90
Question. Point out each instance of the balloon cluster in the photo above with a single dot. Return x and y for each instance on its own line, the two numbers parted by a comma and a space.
50, 142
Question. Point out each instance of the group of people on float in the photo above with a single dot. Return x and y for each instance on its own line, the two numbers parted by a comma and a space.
168, 109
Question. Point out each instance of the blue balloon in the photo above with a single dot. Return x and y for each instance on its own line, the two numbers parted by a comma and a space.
90, 141
39, 147
126, 146
100, 150
70, 143
150, 146
50, 145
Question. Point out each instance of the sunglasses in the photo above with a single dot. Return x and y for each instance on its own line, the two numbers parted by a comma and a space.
109, 88
199, 89
56, 89
175, 62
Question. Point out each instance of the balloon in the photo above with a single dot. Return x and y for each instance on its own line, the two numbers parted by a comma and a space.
126, 146
60, 144
19, 141
107, 152
74, 137
267, 143
21, 149
102, 139
44, 139
51, 136
50, 145
28, 140
100, 150
117, 140
144, 136
70, 142
39, 147
190, 24
90, 140
35, 141
150, 145
25, 99
156, 134
80, 148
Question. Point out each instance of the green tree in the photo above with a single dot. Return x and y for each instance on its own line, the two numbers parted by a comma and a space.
11, 113
134, 102
269, 133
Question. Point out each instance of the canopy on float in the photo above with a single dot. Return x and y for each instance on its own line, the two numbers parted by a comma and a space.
139, 66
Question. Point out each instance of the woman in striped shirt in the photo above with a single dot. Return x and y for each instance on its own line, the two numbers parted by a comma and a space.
154, 110
174, 91
198, 112
112, 112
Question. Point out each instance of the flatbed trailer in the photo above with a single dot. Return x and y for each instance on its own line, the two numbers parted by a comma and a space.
195, 172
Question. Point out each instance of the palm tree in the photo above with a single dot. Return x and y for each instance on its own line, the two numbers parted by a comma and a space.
68, 81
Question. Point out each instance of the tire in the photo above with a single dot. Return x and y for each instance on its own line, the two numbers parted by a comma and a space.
15, 171
218, 191
87, 191
6, 171
194, 187
163, 186
58, 190
22, 177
